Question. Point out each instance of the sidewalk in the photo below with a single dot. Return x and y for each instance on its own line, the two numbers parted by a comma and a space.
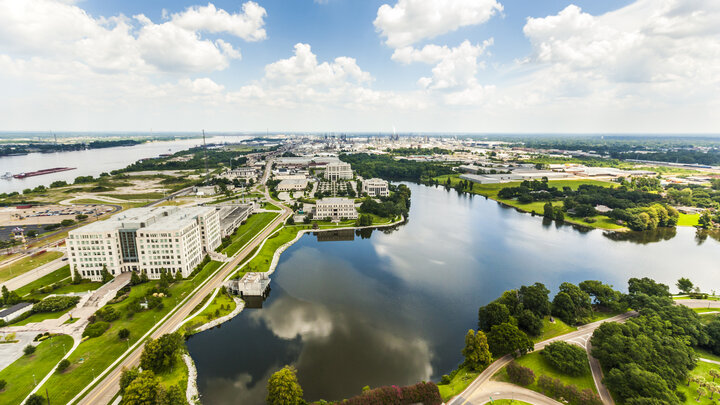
32, 275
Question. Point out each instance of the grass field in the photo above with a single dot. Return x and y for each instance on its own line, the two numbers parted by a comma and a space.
178, 375
538, 364
707, 355
140, 196
248, 230
550, 329
270, 206
491, 191
220, 306
702, 370
39, 317
460, 381
26, 264
125, 205
55, 277
96, 354
19, 375
262, 261
688, 219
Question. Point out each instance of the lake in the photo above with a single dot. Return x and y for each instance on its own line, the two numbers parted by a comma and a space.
393, 307
91, 162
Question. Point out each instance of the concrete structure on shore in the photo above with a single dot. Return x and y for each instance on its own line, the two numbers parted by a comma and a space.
335, 208
145, 239
338, 171
251, 284
375, 187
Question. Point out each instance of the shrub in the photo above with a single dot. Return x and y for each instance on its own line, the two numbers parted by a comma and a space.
55, 304
29, 349
95, 329
426, 393
520, 375
3, 383
566, 358
62, 366
124, 333
107, 314
35, 399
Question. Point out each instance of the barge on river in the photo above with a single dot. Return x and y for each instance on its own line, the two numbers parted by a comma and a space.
41, 172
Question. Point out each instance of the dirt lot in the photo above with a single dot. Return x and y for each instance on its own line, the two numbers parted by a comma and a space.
47, 214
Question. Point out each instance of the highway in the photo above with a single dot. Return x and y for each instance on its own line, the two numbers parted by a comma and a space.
108, 388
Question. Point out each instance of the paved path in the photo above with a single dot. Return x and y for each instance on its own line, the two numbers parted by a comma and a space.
709, 361
108, 386
495, 390
692, 303
32, 275
477, 390
9, 352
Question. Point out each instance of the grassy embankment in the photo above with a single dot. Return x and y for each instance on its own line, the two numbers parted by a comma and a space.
60, 276
688, 219
462, 378
26, 264
94, 355
538, 364
22, 374
271, 207
220, 306
248, 230
491, 191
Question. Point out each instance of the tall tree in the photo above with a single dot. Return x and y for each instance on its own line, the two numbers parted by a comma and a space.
283, 388
492, 314
685, 285
535, 298
143, 390
476, 350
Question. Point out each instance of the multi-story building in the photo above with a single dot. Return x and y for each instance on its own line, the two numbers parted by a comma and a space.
338, 171
145, 239
292, 185
335, 208
375, 187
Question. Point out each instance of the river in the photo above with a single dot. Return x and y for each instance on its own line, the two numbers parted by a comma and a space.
91, 162
394, 307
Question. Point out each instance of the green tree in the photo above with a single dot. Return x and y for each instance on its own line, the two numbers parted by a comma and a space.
630, 381
564, 308
530, 323
62, 366
548, 211
535, 298
602, 294
492, 314
476, 350
160, 354
283, 388
566, 358
685, 285
173, 396
128, 375
134, 278
648, 286
35, 399
142, 390
123, 333
507, 338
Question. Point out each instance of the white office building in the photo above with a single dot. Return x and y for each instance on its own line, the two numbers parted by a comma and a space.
335, 208
375, 187
338, 171
145, 239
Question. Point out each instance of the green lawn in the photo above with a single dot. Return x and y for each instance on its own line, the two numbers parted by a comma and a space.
55, 277
702, 370
701, 310
26, 264
178, 375
688, 219
19, 375
248, 230
270, 206
599, 315
140, 196
125, 206
262, 261
538, 364
706, 354
69, 288
460, 381
552, 329
491, 191
41, 316
222, 305
94, 355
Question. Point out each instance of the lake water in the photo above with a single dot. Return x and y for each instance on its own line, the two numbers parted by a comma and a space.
90, 162
394, 307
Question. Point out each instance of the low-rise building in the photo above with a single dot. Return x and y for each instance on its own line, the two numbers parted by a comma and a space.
338, 171
231, 216
145, 240
246, 173
376, 187
335, 208
292, 185
15, 311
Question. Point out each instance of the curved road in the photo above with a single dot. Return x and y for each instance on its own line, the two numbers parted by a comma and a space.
108, 387
495, 390
478, 389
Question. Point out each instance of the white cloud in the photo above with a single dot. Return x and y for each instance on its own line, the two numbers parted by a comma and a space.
65, 32
410, 21
247, 25
303, 69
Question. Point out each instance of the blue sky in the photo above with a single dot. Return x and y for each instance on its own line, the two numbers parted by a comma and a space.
551, 66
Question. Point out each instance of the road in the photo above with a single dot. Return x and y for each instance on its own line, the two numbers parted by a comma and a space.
495, 390
106, 389
477, 390
692, 303
32, 275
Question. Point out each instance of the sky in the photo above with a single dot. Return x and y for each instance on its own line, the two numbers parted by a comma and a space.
444, 66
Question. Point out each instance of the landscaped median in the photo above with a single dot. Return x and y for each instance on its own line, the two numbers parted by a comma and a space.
247, 231
26, 264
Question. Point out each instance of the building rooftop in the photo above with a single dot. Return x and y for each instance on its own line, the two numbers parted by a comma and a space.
335, 200
154, 218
